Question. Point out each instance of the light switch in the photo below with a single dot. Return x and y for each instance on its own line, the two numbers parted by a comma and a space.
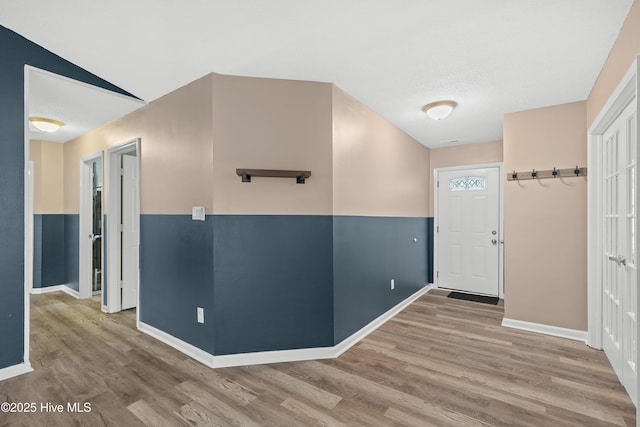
197, 213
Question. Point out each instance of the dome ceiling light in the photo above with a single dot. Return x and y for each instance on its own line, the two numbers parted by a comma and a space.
45, 125
440, 109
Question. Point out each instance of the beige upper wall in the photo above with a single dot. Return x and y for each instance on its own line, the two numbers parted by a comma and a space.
176, 151
378, 170
462, 155
271, 124
625, 50
48, 178
546, 221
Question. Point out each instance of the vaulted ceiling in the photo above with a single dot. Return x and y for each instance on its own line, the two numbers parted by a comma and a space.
491, 56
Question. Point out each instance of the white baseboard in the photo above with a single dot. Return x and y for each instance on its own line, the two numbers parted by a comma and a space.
64, 288
15, 370
279, 356
264, 357
556, 331
183, 346
352, 340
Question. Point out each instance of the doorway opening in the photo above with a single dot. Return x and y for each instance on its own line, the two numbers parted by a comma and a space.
91, 222
54, 96
468, 226
123, 225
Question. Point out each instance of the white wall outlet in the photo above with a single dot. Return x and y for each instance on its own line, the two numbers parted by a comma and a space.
200, 315
393, 283
197, 213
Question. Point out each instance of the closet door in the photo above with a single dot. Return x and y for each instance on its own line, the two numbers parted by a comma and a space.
619, 262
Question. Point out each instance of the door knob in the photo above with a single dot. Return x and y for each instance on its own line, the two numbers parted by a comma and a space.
620, 259
494, 241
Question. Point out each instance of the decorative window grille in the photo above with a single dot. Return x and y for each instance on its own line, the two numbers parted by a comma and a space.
467, 183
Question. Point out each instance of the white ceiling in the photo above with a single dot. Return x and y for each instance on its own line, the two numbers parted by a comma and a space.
79, 106
491, 56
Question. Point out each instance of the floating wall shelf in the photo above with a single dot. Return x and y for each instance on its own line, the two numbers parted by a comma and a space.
246, 174
544, 174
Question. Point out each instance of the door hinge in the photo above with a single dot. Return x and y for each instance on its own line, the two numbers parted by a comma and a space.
121, 228
437, 274
437, 228
121, 172
121, 284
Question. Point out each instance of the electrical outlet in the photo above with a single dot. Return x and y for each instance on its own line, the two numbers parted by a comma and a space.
200, 315
393, 283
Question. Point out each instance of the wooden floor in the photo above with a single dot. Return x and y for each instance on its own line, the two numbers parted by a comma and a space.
439, 362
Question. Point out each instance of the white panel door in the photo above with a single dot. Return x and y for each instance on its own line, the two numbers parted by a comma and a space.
619, 271
468, 230
129, 233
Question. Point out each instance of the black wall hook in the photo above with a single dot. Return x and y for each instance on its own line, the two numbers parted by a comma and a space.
534, 174
514, 175
577, 171
554, 173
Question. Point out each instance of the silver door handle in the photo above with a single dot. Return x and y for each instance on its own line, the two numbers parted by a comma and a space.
620, 260
95, 237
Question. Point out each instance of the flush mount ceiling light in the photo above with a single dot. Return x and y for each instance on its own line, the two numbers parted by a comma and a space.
440, 109
45, 125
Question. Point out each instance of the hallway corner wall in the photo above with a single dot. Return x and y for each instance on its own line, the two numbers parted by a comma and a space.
380, 205
545, 235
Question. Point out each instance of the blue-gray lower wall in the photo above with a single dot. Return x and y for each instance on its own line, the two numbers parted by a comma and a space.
72, 250
37, 251
176, 276
367, 253
273, 282
49, 250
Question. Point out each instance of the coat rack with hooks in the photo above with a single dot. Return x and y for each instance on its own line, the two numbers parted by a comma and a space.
544, 174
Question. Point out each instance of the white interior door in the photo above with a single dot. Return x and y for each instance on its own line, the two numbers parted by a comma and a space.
619, 272
467, 228
129, 216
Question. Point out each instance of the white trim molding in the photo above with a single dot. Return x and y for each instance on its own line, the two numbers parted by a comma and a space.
15, 370
264, 357
556, 331
63, 288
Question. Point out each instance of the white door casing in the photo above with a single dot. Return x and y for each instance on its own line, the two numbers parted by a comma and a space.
468, 229
123, 238
130, 219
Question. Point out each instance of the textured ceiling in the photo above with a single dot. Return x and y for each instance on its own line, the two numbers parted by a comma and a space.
491, 56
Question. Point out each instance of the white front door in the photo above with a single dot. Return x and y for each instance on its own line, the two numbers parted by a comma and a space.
129, 223
619, 269
467, 227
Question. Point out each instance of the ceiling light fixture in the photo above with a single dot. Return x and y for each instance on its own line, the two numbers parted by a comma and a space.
45, 125
440, 109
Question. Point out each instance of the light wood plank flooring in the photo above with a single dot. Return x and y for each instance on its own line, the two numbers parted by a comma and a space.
439, 362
